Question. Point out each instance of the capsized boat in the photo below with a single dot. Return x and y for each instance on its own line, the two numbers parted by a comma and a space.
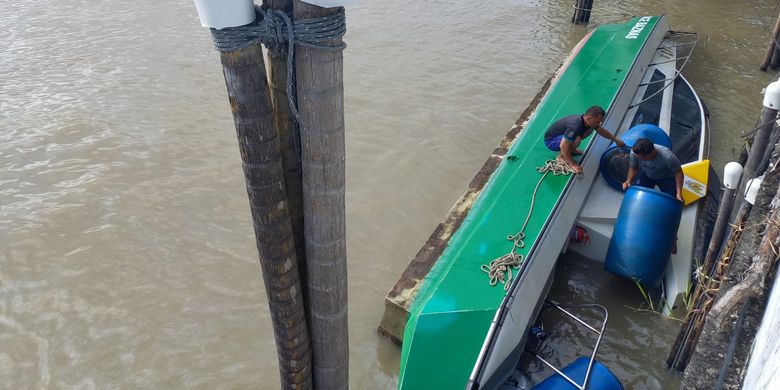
666, 108
461, 330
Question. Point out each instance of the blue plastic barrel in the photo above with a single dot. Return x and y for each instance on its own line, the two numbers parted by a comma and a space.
601, 378
644, 234
614, 162
655, 133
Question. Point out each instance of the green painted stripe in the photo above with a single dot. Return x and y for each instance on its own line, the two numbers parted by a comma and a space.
455, 306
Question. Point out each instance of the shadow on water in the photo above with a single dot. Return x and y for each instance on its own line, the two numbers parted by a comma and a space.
636, 342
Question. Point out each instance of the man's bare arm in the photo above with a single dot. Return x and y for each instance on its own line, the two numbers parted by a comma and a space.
630, 178
608, 135
678, 182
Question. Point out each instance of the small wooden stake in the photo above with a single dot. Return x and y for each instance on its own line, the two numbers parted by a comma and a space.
586, 12
724, 211
577, 11
582, 9
772, 49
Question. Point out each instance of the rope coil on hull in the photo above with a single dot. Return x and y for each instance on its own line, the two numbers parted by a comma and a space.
500, 269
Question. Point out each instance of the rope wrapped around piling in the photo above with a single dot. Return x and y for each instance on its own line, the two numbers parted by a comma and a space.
276, 30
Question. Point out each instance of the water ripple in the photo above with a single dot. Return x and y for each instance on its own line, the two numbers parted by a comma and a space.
127, 256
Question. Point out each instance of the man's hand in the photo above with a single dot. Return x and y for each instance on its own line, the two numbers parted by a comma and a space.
619, 142
626, 184
679, 177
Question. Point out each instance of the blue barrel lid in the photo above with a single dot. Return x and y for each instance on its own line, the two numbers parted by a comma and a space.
614, 162
646, 130
601, 378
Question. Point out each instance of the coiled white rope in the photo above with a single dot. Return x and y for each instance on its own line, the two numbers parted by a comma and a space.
500, 269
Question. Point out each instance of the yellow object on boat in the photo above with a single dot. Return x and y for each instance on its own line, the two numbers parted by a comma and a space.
695, 181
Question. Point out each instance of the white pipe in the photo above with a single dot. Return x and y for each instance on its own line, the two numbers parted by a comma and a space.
220, 14
751, 191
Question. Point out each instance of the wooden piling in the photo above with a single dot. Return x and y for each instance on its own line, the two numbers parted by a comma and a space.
320, 91
724, 210
586, 12
582, 9
289, 143
575, 18
775, 63
758, 147
772, 49
247, 87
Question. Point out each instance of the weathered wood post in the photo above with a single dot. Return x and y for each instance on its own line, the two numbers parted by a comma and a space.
731, 176
771, 51
320, 90
732, 172
775, 62
766, 122
289, 141
582, 9
250, 102
586, 12
575, 18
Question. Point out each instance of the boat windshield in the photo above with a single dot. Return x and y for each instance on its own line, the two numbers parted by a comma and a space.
650, 109
685, 128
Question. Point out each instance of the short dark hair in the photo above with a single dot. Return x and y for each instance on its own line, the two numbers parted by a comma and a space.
595, 111
643, 146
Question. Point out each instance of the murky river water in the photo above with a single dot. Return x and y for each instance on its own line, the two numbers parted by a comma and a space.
126, 252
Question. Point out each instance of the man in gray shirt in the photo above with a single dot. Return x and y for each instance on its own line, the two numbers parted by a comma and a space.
655, 165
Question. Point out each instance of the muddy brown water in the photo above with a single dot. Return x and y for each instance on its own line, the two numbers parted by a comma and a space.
126, 251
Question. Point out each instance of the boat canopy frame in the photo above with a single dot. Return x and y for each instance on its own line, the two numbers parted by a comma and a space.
599, 332
671, 36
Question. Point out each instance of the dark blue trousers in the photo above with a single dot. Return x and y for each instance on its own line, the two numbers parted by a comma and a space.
666, 185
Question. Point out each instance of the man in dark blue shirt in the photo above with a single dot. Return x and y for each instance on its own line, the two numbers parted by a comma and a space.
566, 134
